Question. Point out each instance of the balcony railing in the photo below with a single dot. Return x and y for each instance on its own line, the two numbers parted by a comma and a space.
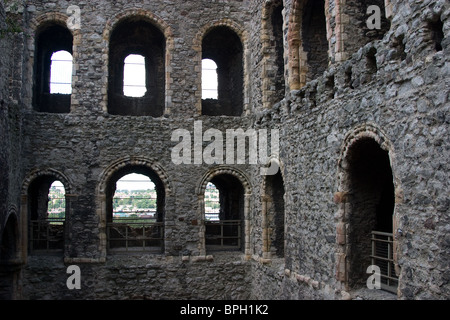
47, 235
223, 235
135, 234
382, 256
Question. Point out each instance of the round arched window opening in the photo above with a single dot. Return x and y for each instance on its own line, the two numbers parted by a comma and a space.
135, 197
135, 211
371, 195
224, 225
223, 45
47, 215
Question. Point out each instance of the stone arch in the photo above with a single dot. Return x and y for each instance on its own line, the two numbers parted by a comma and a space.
154, 20
41, 21
364, 188
366, 130
42, 177
133, 161
135, 12
273, 213
112, 172
240, 176
35, 174
236, 27
273, 162
241, 32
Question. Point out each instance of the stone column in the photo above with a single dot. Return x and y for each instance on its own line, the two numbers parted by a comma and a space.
247, 226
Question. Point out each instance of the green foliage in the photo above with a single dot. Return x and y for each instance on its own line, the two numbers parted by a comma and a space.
135, 200
11, 24
56, 203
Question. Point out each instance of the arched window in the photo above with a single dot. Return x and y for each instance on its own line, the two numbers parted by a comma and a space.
135, 211
136, 81
135, 197
47, 207
277, 34
273, 208
308, 51
314, 35
61, 73
224, 230
52, 86
273, 83
209, 79
224, 47
371, 195
134, 76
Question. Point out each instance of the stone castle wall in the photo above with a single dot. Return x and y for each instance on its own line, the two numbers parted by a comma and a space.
393, 90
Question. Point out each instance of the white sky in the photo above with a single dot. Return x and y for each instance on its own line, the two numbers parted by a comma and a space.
61, 73
131, 181
57, 184
134, 75
135, 181
209, 79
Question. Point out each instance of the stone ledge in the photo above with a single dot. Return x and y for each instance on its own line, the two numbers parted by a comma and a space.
84, 260
208, 258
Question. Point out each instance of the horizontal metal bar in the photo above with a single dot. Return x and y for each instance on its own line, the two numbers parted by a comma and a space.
131, 224
224, 222
134, 86
381, 258
387, 234
388, 277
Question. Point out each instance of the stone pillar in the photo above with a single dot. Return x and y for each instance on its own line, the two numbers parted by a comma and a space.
101, 212
201, 225
265, 231
388, 8
342, 20
70, 198
23, 242
247, 226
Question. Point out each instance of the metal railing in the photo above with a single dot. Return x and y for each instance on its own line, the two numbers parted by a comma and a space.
135, 234
223, 235
382, 256
47, 235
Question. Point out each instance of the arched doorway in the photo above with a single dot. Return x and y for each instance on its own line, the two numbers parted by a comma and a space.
273, 216
366, 230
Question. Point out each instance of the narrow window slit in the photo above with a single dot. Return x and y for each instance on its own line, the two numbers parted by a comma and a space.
437, 34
